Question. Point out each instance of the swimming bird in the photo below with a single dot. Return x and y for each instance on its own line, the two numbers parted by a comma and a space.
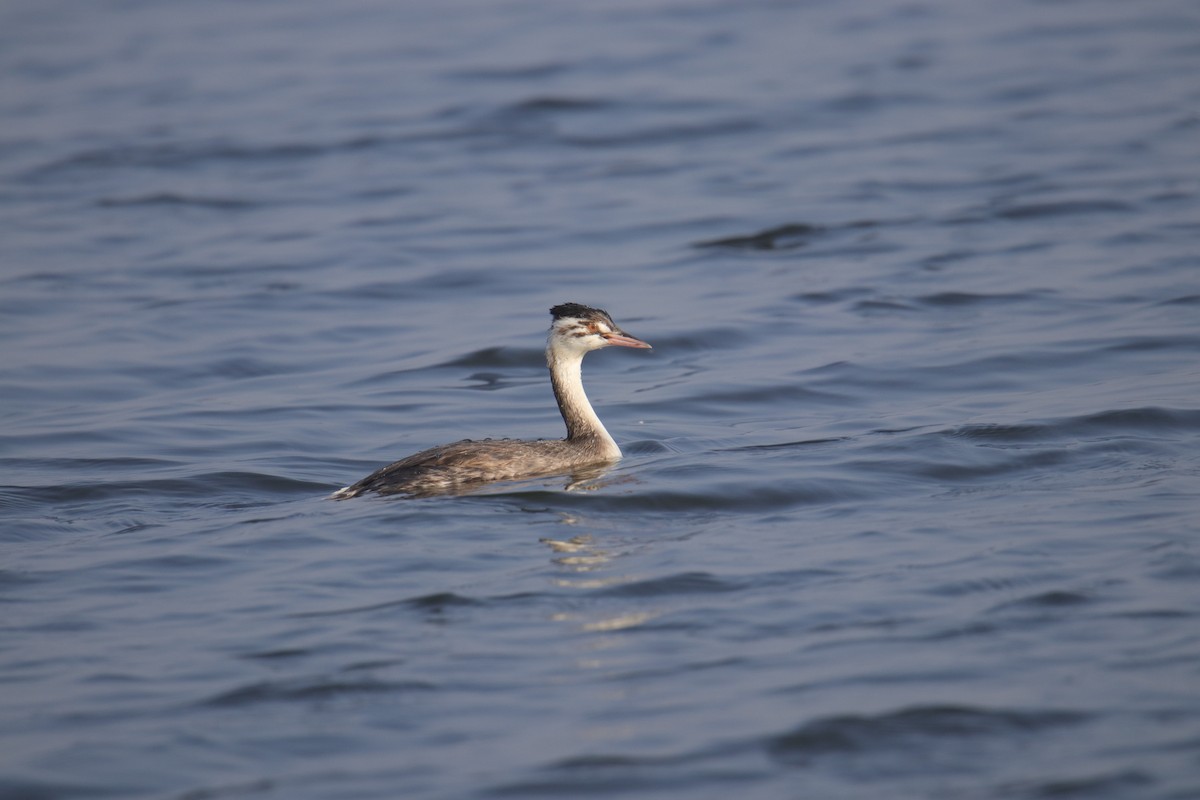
575, 331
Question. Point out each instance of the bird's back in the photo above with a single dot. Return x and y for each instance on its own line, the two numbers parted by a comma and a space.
463, 464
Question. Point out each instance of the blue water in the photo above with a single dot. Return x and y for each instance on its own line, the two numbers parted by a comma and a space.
911, 494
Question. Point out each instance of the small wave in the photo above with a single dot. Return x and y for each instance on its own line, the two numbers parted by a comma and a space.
497, 357
670, 134
786, 445
183, 155
1047, 210
1122, 783
910, 728
172, 199
1138, 344
20, 789
750, 496
1183, 300
278, 655
970, 467
555, 104
1056, 598
507, 73
959, 299
440, 601
680, 583
795, 234
869, 306
212, 484
749, 395
827, 297
1145, 419
304, 690
1061, 208
702, 340
437, 602
995, 432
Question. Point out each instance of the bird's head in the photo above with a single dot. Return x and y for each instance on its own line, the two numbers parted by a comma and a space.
581, 329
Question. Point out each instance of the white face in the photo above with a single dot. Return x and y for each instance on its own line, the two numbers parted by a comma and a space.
592, 333
581, 334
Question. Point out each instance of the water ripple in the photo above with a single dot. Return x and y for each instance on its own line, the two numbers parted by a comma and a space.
910, 730
309, 690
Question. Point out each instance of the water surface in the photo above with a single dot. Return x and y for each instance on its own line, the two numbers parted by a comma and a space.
909, 503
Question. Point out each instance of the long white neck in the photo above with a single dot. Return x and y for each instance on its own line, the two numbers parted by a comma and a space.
566, 376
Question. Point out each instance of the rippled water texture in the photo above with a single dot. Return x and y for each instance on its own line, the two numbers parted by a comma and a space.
909, 504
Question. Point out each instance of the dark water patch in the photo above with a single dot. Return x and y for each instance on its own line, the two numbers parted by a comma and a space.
702, 340
832, 296
365, 666
173, 199
170, 564
309, 690
964, 299
434, 603
214, 485
988, 584
170, 156
1000, 372
250, 788
940, 261
988, 433
406, 291
970, 466
1156, 613
1056, 598
525, 72
858, 102
912, 730
492, 381
440, 601
1183, 300
1119, 785
749, 396
786, 445
1037, 211
963, 631
1176, 566
1146, 419
619, 774
497, 357
879, 305
795, 234
12, 788
278, 655
674, 135
240, 368
728, 497
10, 580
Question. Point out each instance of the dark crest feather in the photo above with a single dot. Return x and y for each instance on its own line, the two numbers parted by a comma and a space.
577, 310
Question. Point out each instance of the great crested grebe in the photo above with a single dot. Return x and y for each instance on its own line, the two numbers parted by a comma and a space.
575, 331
